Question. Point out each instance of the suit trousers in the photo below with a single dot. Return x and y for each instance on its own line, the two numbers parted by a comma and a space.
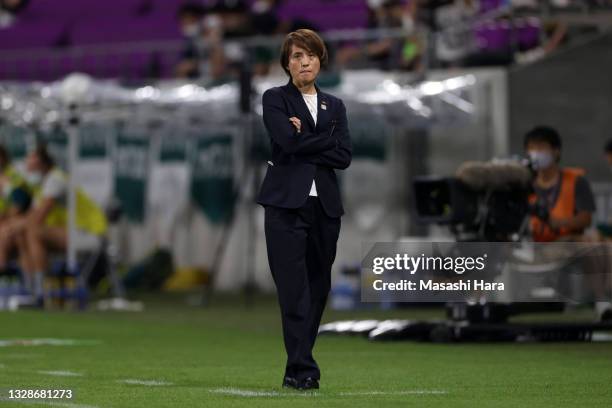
301, 246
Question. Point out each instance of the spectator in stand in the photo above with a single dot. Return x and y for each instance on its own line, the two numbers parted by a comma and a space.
453, 40
265, 22
556, 34
215, 53
427, 11
264, 17
387, 53
235, 17
235, 25
190, 17
8, 10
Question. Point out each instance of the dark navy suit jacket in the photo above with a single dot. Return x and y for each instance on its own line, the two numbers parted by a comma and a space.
313, 153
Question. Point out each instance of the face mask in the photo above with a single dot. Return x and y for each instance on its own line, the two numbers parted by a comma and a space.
261, 6
6, 189
191, 30
34, 177
213, 22
408, 24
540, 160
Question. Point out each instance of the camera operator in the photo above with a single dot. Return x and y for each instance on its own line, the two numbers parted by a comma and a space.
563, 202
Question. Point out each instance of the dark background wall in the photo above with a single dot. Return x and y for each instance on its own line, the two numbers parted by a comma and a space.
571, 91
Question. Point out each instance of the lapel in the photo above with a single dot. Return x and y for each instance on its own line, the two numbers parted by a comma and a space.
322, 106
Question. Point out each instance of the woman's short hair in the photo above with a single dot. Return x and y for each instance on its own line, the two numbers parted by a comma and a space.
5, 157
303, 38
41, 151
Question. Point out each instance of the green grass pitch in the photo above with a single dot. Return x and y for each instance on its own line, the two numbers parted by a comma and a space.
174, 355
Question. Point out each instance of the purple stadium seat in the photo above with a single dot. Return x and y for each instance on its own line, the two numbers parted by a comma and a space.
481, 32
84, 9
502, 36
168, 62
489, 5
28, 35
9, 69
325, 14
493, 36
21, 68
346, 20
52, 23
125, 65
167, 7
123, 31
528, 33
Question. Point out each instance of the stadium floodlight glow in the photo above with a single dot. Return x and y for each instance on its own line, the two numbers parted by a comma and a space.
458, 102
221, 92
454, 83
146, 92
7, 102
417, 105
45, 92
28, 116
374, 97
186, 91
52, 116
391, 87
76, 88
383, 96
430, 88
459, 82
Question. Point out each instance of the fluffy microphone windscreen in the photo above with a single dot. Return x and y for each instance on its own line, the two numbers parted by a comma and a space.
498, 175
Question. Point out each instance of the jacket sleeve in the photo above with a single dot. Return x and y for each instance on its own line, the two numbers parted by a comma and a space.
340, 156
282, 131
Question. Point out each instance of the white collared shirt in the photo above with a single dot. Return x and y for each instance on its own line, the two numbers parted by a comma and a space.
311, 103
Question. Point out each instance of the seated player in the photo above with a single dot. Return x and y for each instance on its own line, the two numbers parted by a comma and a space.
10, 180
44, 227
15, 200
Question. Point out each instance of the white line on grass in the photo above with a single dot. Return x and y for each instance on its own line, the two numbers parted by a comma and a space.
148, 383
46, 342
253, 393
60, 373
47, 403
406, 392
18, 356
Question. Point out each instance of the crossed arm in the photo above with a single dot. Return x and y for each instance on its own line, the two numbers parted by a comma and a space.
331, 149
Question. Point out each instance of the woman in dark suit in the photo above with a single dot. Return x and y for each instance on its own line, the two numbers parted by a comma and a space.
310, 139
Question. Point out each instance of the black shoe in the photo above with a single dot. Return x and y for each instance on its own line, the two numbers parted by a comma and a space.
308, 383
290, 382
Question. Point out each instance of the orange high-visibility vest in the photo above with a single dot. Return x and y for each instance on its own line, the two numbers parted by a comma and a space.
564, 207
